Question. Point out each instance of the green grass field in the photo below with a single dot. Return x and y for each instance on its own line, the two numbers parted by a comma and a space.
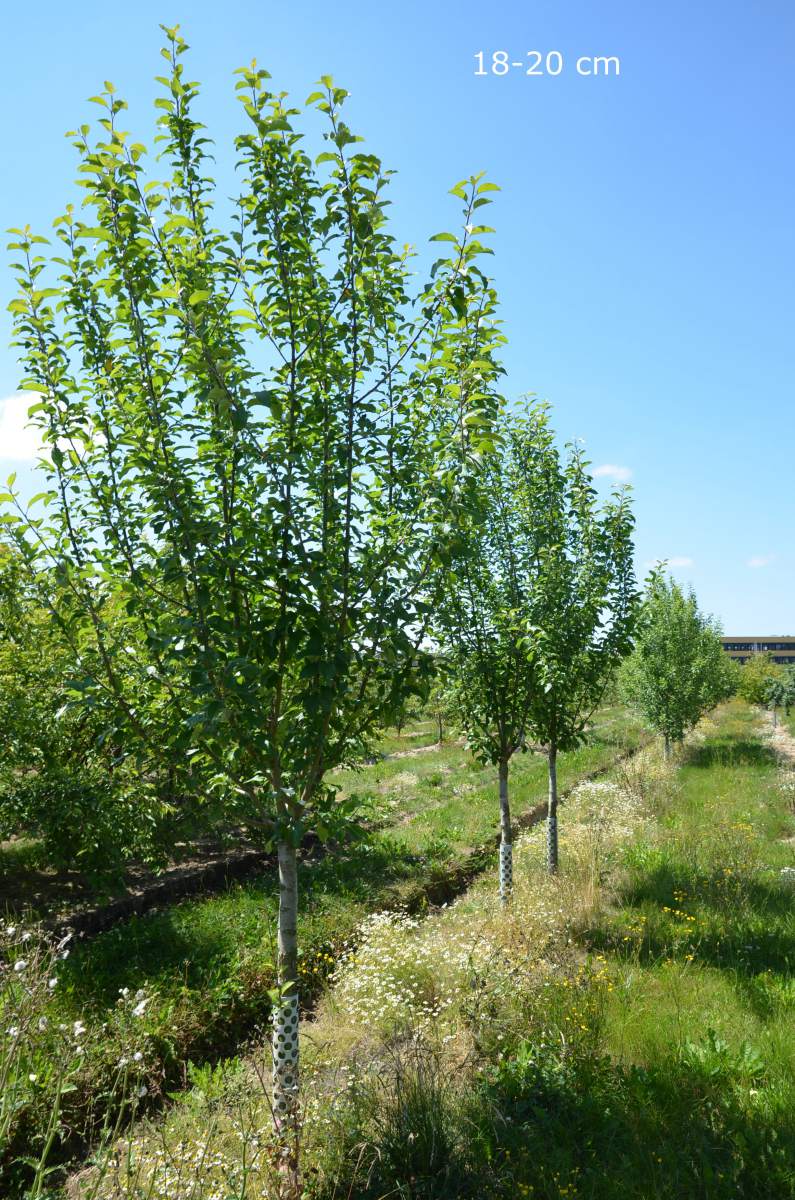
623, 1032
206, 964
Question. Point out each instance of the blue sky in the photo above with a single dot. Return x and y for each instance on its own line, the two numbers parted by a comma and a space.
645, 246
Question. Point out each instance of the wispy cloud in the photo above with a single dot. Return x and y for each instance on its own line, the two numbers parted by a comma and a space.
614, 472
760, 560
19, 441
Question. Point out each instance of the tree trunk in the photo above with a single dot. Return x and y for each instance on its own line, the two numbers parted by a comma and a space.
775, 718
285, 1017
667, 749
439, 720
552, 812
506, 847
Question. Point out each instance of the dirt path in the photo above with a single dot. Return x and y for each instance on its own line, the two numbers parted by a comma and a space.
781, 739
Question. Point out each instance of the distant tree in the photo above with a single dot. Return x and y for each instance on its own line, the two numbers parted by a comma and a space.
539, 607
409, 710
757, 676
257, 437
781, 692
584, 599
678, 670
441, 702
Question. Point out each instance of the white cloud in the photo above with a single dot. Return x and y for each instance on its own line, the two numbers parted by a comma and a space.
760, 560
18, 440
611, 471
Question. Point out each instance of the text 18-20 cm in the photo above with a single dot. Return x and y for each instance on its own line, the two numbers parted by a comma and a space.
550, 62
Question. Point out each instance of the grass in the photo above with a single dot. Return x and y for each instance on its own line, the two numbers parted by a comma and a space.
623, 1032
206, 964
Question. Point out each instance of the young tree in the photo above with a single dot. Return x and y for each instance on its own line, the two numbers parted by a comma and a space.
584, 600
256, 437
678, 669
441, 702
781, 692
757, 675
409, 710
480, 626
539, 606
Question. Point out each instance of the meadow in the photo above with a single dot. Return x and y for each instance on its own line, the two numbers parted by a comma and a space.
623, 1030
199, 975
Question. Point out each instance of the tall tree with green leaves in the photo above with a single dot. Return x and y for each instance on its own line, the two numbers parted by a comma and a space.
538, 607
678, 669
584, 599
257, 436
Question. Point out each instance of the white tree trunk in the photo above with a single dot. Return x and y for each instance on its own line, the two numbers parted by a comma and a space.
285, 1013
506, 847
552, 812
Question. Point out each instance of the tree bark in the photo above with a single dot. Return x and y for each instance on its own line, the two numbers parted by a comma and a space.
506, 846
552, 812
667, 749
285, 1017
439, 720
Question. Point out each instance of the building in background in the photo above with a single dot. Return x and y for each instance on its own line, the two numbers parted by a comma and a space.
780, 649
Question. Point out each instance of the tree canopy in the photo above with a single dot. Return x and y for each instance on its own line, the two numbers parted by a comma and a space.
678, 670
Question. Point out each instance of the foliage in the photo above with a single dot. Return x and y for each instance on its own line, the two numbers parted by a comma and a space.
781, 691
584, 601
678, 670
64, 775
757, 676
540, 607
247, 510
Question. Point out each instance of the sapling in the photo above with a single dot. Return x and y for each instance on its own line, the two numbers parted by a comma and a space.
678, 669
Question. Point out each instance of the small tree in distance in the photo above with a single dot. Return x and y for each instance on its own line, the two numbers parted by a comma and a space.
441, 703
756, 677
539, 609
678, 670
781, 693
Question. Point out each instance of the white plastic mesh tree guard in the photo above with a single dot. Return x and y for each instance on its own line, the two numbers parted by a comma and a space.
285, 1057
506, 869
552, 838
